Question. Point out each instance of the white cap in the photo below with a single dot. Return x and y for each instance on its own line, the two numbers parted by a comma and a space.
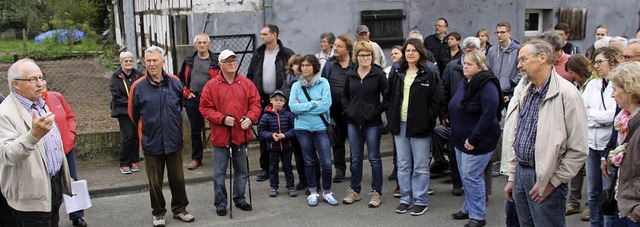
225, 54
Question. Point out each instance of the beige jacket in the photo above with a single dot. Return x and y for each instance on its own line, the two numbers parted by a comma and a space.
561, 146
24, 179
509, 130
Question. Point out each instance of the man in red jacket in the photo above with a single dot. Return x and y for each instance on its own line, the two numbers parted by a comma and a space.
230, 102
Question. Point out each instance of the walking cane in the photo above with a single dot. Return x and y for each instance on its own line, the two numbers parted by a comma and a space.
230, 198
246, 155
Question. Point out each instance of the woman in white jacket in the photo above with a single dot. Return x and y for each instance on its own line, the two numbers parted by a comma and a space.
601, 110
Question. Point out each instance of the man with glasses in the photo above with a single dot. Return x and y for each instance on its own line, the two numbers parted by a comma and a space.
33, 168
267, 71
550, 144
632, 52
437, 42
502, 60
335, 71
231, 103
362, 34
197, 69
155, 105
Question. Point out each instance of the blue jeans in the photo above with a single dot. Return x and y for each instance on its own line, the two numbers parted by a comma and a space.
413, 167
71, 162
219, 163
196, 121
357, 138
612, 220
548, 213
512, 215
596, 183
471, 169
316, 148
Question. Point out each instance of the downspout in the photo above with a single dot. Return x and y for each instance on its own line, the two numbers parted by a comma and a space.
268, 11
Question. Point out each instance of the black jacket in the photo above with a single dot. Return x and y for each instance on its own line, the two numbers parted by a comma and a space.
451, 78
255, 68
425, 99
187, 65
120, 86
361, 97
336, 75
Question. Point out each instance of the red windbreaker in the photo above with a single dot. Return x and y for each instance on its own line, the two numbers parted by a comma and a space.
220, 99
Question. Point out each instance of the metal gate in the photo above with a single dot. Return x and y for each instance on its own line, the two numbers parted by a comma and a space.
243, 45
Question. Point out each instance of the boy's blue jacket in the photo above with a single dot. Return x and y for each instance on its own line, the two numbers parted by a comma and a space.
276, 122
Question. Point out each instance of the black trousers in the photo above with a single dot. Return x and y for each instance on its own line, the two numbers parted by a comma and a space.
264, 154
6, 215
129, 145
339, 150
43, 219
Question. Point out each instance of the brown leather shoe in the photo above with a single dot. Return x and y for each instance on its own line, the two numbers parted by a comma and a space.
193, 165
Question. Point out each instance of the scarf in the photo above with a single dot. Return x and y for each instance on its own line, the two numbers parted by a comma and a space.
307, 83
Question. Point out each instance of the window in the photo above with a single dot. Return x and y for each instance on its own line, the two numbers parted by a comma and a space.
533, 20
385, 26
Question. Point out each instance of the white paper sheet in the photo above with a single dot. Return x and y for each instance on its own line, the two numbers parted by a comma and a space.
80, 199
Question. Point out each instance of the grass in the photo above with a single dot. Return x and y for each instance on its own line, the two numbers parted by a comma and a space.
49, 49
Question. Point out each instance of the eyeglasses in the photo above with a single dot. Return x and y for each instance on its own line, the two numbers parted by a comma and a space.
364, 55
500, 32
440, 26
305, 65
629, 57
32, 80
523, 60
598, 62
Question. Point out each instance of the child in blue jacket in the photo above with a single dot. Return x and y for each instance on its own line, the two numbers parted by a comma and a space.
276, 127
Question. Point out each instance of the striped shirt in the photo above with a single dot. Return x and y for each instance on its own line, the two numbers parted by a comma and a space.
52, 140
524, 143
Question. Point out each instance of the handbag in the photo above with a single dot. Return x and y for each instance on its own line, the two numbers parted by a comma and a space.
332, 129
607, 199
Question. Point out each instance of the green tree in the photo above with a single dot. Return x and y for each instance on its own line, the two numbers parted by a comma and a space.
22, 14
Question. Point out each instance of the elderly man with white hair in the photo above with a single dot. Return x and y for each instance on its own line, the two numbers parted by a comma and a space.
33, 168
619, 42
155, 105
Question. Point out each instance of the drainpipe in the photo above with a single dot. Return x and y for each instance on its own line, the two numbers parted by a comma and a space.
130, 30
268, 11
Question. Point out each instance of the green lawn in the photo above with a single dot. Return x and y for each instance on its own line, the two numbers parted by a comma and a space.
49, 49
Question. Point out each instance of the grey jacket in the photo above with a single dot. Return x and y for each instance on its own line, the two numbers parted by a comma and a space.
503, 64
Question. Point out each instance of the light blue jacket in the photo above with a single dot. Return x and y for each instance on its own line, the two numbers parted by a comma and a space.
308, 113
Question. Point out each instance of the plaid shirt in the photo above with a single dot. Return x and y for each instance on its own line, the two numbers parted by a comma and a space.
524, 143
52, 140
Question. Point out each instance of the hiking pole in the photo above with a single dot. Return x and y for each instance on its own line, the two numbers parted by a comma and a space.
230, 198
246, 155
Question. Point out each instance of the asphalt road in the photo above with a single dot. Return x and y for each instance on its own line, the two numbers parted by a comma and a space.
134, 209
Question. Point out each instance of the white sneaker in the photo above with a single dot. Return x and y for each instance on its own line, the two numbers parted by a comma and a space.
312, 199
329, 198
158, 221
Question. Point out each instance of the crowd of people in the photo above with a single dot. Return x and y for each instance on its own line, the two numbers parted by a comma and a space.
566, 116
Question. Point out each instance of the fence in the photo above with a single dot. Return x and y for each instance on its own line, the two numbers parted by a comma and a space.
243, 45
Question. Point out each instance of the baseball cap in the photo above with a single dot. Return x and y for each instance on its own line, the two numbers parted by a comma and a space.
361, 29
277, 92
225, 54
